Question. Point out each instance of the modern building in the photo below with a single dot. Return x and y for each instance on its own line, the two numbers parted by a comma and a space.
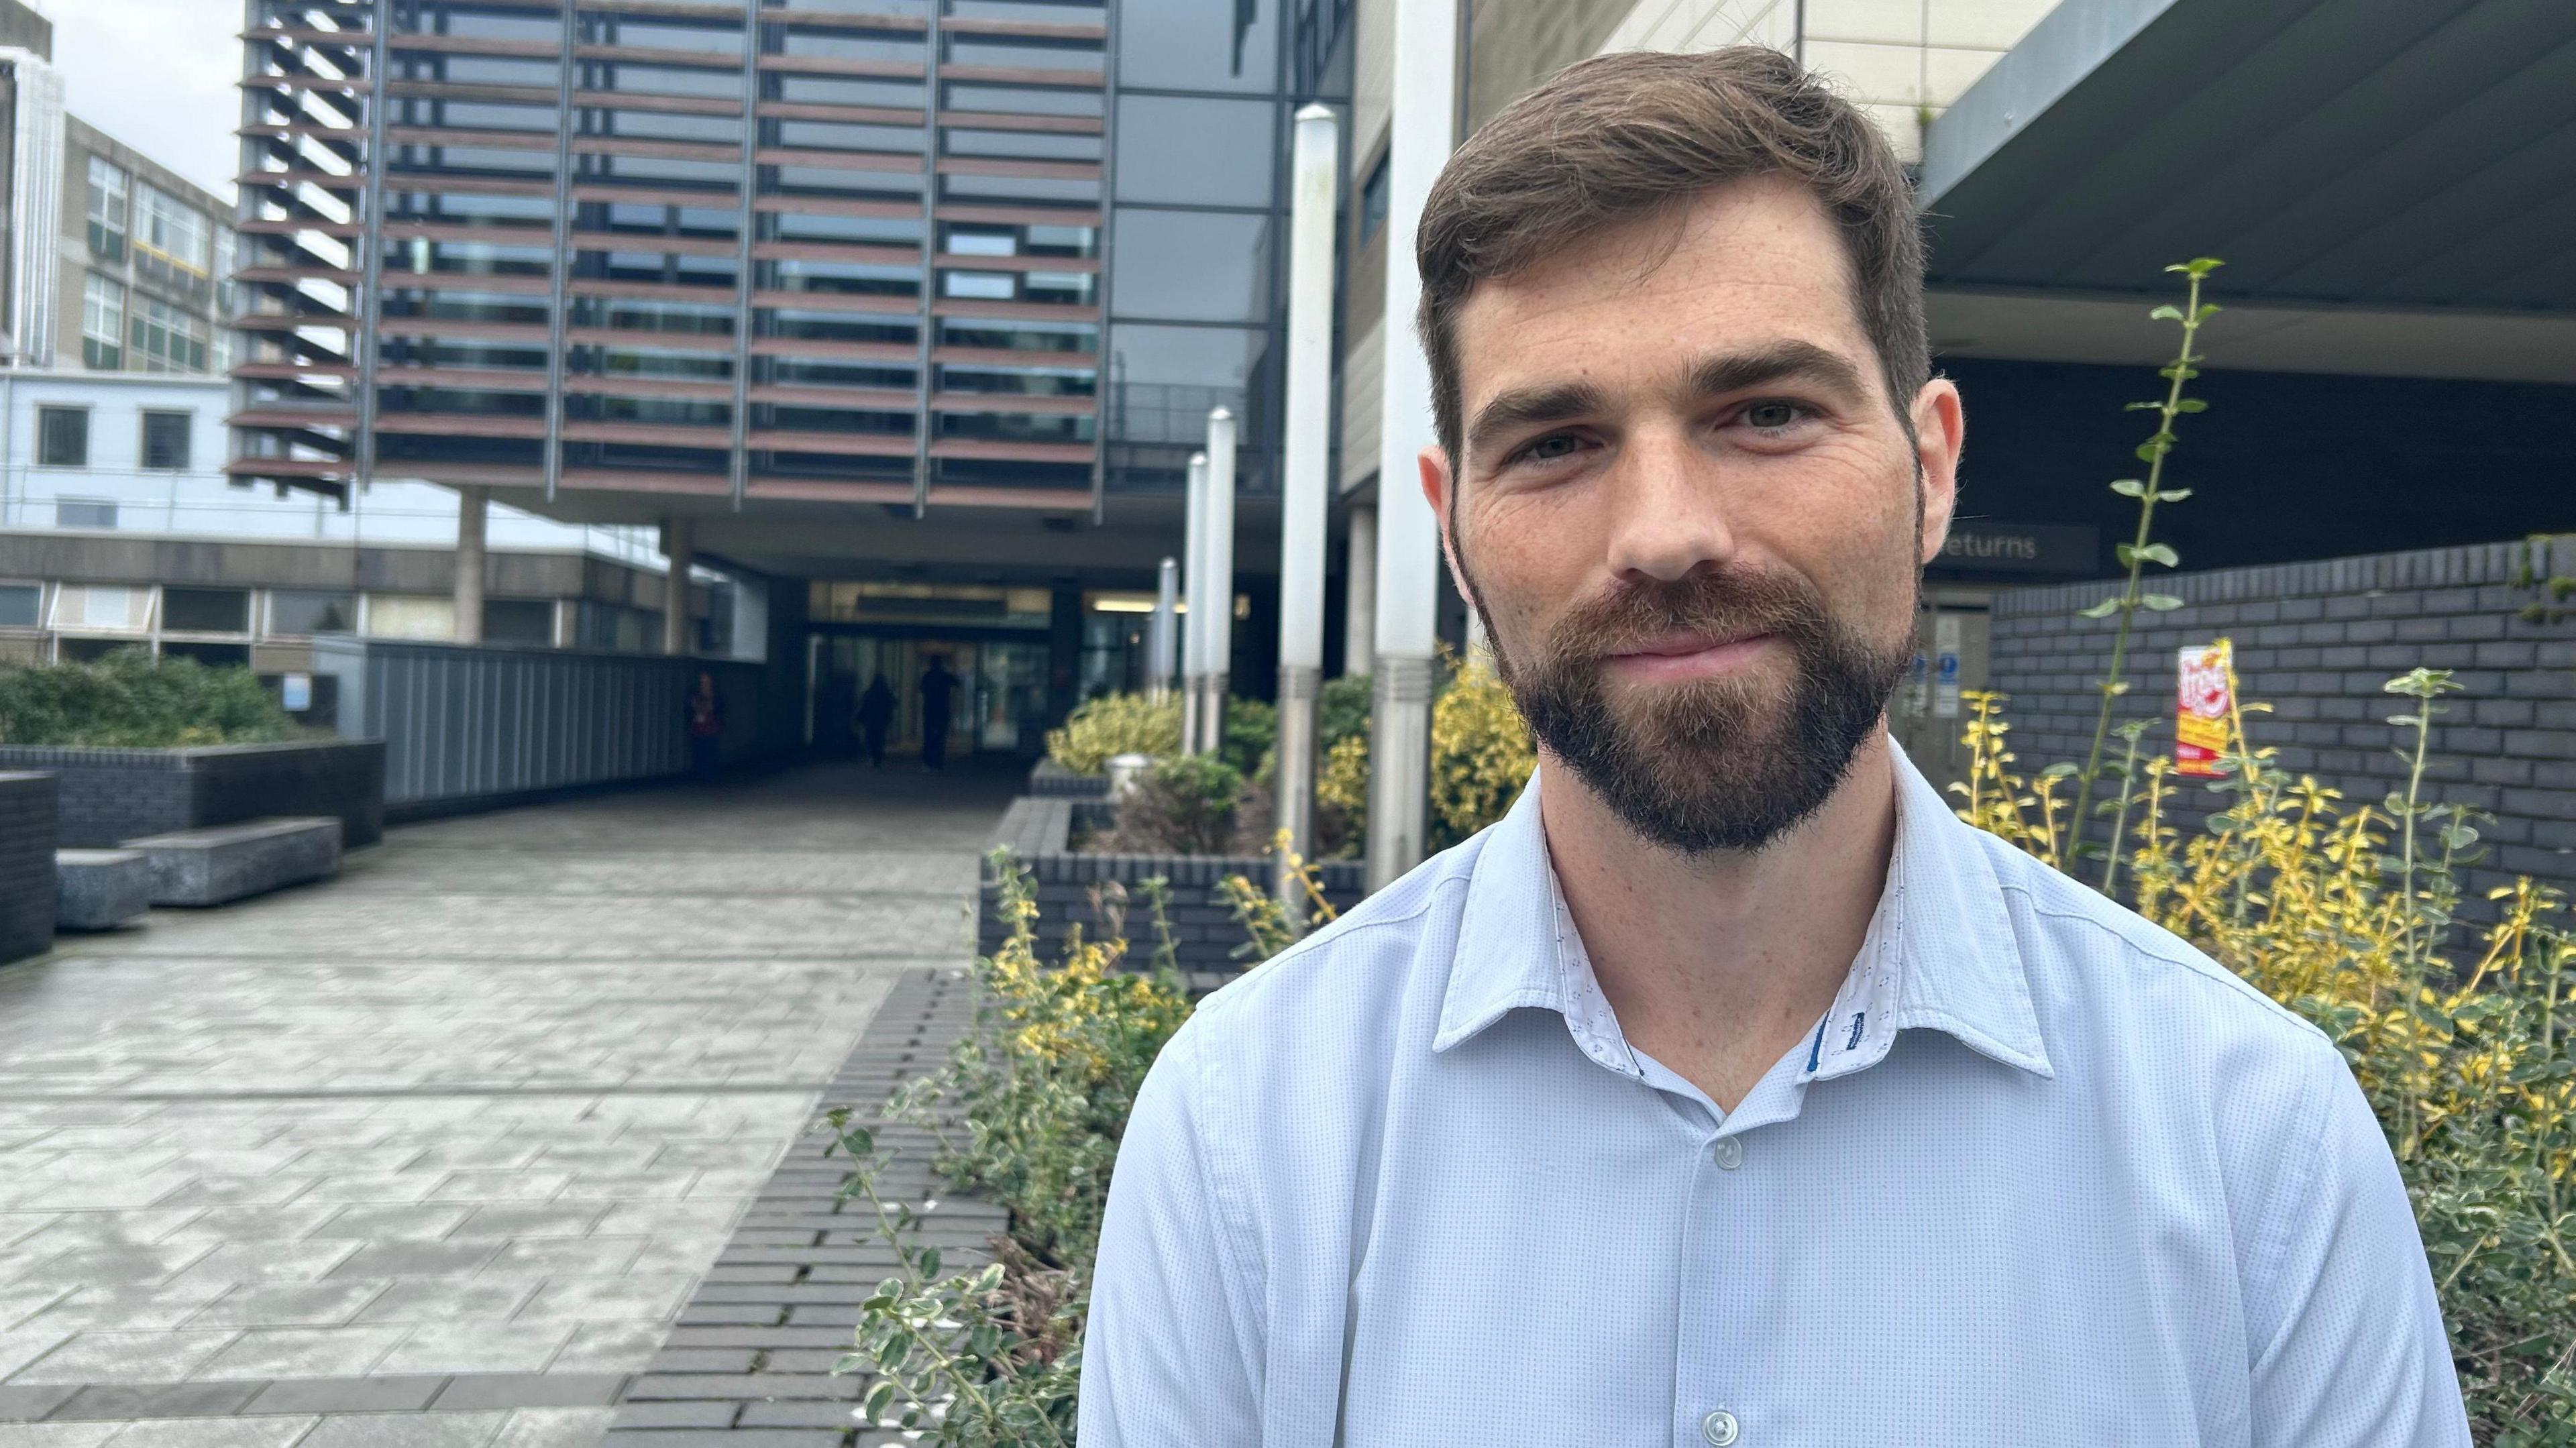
914, 308
110, 261
118, 528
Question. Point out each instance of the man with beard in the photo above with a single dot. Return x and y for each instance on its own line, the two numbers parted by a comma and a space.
1731, 1090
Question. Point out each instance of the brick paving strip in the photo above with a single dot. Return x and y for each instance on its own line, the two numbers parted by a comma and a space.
750, 1363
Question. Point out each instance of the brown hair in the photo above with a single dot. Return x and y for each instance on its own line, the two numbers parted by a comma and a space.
1621, 137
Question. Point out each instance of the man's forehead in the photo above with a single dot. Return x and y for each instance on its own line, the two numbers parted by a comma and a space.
1742, 265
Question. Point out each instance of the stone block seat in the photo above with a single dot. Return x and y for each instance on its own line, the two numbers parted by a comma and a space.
222, 863
100, 889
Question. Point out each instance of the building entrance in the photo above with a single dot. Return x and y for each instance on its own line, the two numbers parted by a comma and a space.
998, 705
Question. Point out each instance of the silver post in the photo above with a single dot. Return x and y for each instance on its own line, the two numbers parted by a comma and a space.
1162, 637
1304, 492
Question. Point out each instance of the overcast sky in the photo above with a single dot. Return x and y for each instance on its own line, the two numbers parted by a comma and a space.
157, 75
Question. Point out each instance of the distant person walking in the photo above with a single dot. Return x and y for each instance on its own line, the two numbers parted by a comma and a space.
938, 687
876, 711
706, 725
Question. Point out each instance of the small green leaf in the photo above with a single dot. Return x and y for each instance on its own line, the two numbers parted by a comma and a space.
2143, 407
2172, 495
2166, 313
2191, 404
2104, 609
930, 1262
2129, 488
2161, 553
2161, 602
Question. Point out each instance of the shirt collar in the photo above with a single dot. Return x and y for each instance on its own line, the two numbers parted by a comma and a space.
1941, 952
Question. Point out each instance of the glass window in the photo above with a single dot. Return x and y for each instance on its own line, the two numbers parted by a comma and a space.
206, 610
982, 286
170, 226
410, 616
107, 607
213, 656
1196, 152
20, 603
107, 209
1195, 45
519, 621
1194, 266
84, 513
102, 323
165, 440
297, 612
1168, 378
1373, 202
167, 339
62, 437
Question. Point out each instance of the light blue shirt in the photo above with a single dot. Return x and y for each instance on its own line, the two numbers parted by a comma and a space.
2044, 1175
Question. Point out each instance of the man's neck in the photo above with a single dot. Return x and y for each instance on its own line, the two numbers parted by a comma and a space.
1718, 964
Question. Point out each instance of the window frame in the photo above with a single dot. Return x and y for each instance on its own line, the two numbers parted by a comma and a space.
187, 424
103, 312
46, 410
155, 212
110, 208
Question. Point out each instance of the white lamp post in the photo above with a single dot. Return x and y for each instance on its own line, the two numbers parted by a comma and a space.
1162, 637
1425, 91
1303, 484
1218, 645
1195, 581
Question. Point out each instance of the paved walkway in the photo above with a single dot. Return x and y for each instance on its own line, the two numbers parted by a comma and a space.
435, 1153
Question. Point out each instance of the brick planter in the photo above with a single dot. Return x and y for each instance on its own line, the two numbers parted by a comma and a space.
26, 865
2315, 641
110, 796
1050, 780
1068, 883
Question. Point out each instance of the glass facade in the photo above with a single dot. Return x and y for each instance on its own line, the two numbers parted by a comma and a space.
827, 252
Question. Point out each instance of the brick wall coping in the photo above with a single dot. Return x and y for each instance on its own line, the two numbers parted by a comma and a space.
2466, 566
1039, 828
167, 757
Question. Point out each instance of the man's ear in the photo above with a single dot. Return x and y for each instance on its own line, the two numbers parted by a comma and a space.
1940, 431
1440, 490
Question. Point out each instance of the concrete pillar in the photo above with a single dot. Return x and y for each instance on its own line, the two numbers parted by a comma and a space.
1218, 644
1162, 637
1305, 491
1422, 132
679, 545
1359, 592
1195, 580
473, 512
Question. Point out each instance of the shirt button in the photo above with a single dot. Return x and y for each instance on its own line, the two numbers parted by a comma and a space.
1729, 1152
1718, 1428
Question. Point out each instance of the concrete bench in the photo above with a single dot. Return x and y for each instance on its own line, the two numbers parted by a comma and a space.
228, 862
100, 889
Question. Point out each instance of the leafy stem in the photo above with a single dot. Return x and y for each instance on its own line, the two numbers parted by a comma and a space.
2140, 551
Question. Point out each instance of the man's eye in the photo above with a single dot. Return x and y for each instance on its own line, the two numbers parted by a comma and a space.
1773, 416
1552, 447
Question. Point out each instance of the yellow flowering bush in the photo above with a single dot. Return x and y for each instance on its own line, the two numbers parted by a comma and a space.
1100, 729
1481, 752
2347, 913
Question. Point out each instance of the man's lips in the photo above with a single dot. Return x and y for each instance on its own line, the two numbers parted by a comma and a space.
1690, 656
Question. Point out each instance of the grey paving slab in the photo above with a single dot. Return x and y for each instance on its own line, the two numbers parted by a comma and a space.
435, 1153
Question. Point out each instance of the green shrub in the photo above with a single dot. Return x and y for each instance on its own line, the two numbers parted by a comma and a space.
1251, 737
129, 700
1183, 805
1343, 712
1101, 729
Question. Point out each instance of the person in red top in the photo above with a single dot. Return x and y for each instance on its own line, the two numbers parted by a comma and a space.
706, 725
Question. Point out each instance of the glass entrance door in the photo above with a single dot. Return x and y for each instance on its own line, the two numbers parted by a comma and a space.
998, 707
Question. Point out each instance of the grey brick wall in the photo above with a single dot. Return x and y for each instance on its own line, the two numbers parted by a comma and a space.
109, 796
1071, 888
26, 864
2316, 641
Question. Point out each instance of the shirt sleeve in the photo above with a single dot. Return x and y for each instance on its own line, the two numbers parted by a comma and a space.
2357, 1356
1170, 1354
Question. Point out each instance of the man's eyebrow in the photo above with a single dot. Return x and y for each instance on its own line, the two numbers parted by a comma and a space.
1522, 406
1779, 362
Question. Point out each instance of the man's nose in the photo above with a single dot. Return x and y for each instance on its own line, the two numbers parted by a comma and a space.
1668, 510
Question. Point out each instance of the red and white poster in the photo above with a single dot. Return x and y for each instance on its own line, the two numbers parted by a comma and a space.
2202, 703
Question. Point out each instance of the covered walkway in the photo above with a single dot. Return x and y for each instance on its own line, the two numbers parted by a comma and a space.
452, 1138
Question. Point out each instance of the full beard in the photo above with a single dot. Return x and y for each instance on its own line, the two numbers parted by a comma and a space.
1711, 764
